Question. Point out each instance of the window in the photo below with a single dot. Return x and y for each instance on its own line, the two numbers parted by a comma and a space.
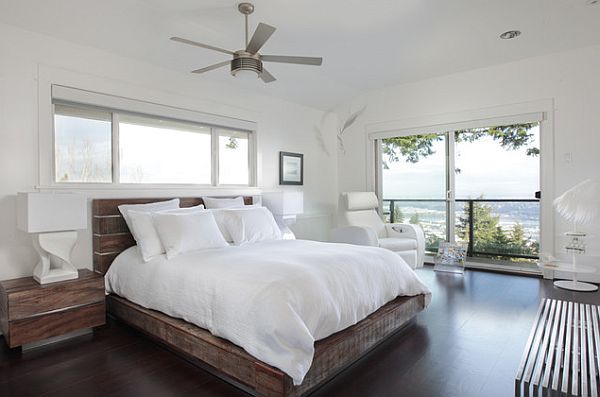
82, 145
94, 145
233, 157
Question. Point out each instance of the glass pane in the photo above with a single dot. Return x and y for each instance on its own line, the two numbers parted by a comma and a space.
414, 167
500, 229
498, 162
502, 164
82, 145
430, 215
233, 158
163, 151
414, 183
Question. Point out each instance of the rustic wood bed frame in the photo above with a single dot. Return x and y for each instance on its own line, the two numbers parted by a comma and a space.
221, 357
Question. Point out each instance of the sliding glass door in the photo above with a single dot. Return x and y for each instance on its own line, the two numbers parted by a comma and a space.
415, 184
476, 186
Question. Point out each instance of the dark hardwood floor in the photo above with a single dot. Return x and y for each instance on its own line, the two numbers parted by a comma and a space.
468, 342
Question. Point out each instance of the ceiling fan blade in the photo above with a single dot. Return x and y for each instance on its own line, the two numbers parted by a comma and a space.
195, 43
212, 67
298, 60
260, 37
266, 76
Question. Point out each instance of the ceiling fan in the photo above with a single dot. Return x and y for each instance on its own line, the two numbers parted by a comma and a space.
248, 62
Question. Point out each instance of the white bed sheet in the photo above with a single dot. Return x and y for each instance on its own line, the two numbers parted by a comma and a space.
272, 298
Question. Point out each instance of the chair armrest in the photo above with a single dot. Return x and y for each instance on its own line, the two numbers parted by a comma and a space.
355, 235
407, 230
402, 230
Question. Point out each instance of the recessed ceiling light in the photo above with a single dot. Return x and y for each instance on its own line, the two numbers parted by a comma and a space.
511, 34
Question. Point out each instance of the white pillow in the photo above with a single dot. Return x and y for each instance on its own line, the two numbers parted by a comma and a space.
180, 233
150, 207
215, 202
145, 235
144, 232
251, 225
220, 216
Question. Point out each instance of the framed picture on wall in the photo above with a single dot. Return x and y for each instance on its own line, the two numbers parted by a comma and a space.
291, 168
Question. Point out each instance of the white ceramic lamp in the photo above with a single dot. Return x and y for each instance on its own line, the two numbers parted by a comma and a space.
53, 218
580, 205
284, 206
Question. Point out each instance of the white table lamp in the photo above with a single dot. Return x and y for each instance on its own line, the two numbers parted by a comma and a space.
53, 218
580, 205
284, 206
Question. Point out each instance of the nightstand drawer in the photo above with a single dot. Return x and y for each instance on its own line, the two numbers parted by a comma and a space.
50, 297
58, 323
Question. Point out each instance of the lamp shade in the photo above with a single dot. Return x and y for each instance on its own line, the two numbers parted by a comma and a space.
284, 203
51, 212
581, 203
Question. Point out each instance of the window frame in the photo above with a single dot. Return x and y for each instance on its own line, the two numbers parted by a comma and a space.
115, 160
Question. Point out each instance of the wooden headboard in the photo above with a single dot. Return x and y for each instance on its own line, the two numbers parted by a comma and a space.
110, 232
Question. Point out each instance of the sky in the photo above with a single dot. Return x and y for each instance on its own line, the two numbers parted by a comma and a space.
163, 155
486, 169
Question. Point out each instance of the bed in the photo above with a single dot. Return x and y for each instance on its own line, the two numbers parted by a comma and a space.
332, 352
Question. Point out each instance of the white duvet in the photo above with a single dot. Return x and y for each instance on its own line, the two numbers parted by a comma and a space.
273, 298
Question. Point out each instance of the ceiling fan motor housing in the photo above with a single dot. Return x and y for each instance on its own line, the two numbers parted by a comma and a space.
246, 62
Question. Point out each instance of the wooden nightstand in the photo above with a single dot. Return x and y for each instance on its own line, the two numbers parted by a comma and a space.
30, 312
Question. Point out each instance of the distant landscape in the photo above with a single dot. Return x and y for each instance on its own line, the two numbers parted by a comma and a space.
432, 218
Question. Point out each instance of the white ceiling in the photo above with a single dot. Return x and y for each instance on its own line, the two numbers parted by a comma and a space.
365, 44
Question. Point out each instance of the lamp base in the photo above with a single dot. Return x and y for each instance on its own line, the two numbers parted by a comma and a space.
55, 275
572, 285
55, 252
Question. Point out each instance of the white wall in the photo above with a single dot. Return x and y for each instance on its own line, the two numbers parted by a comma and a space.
29, 60
570, 79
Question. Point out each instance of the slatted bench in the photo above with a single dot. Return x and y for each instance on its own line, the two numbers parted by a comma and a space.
561, 356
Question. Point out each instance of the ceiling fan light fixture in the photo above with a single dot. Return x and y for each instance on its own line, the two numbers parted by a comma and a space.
245, 74
244, 66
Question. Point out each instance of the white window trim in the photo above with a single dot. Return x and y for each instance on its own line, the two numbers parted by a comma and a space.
541, 110
116, 104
